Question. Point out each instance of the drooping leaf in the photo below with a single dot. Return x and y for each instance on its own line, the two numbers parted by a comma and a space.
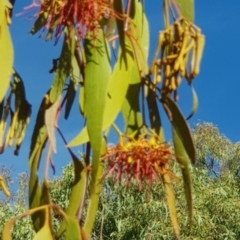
183, 161
64, 66
115, 95
72, 88
94, 196
6, 50
77, 192
97, 73
39, 23
187, 9
6, 233
169, 193
38, 142
130, 108
140, 32
195, 103
22, 112
154, 115
180, 126
50, 122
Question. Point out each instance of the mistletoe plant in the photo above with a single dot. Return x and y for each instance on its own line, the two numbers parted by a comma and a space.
104, 59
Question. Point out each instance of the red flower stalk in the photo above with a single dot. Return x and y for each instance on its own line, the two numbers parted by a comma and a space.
142, 160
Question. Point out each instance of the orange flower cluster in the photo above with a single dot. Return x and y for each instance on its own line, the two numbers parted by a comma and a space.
143, 160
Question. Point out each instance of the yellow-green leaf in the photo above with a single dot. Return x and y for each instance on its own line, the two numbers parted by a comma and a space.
187, 9
6, 56
72, 229
180, 126
183, 161
64, 66
4, 187
44, 234
115, 95
169, 194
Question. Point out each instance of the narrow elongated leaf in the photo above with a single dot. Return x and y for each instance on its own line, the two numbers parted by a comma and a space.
50, 122
72, 88
195, 103
180, 126
187, 9
39, 23
78, 190
38, 142
94, 196
154, 115
169, 193
6, 50
183, 161
97, 73
140, 32
64, 66
116, 93
131, 109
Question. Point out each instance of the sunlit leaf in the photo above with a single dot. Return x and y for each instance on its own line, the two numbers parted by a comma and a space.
183, 161
169, 193
6, 50
44, 233
6, 233
50, 122
180, 126
187, 9
4, 188
77, 192
140, 30
72, 229
94, 196
115, 95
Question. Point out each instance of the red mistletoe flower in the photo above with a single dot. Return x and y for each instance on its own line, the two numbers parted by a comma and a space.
84, 15
142, 160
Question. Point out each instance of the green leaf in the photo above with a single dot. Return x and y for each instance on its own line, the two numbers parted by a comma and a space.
94, 196
6, 56
154, 115
183, 161
72, 88
72, 229
131, 109
169, 194
38, 142
141, 36
180, 126
39, 23
97, 73
64, 66
116, 93
50, 121
187, 9
195, 103
44, 233
77, 192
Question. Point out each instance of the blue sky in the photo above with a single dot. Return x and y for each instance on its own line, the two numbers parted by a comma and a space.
217, 85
